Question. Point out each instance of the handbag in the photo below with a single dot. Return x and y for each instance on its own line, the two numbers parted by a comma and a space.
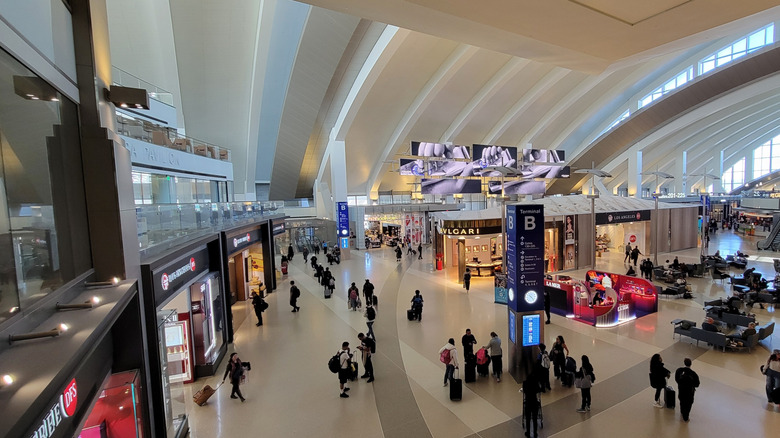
578, 382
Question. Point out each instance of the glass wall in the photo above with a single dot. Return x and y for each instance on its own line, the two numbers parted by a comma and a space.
42, 204
153, 188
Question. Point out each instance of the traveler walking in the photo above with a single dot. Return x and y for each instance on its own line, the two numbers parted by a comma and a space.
290, 252
367, 348
544, 368
398, 253
585, 377
559, 352
294, 294
235, 369
370, 317
259, 304
687, 382
368, 291
345, 360
305, 255
658, 376
448, 355
772, 372
628, 253
419, 251
531, 388
635, 253
353, 296
467, 279
417, 305
494, 348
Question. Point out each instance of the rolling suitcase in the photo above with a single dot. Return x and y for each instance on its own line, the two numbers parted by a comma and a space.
410, 315
456, 387
669, 396
471, 369
284, 270
355, 371
201, 397
567, 379
374, 300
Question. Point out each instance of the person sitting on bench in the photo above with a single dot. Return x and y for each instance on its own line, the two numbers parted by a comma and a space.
709, 325
749, 331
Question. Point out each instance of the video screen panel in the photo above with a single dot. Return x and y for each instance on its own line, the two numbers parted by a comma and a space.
450, 186
519, 187
492, 155
440, 150
412, 167
547, 172
543, 156
450, 168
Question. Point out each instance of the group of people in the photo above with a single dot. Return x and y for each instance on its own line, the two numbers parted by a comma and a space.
632, 254
448, 354
687, 381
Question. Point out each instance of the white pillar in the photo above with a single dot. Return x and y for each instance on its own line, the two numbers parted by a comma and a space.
680, 165
635, 175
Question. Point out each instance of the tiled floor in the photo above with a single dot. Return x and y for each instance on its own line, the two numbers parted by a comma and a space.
291, 393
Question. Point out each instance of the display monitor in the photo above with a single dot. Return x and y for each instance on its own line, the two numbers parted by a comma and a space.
517, 187
543, 156
544, 171
492, 155
412, 167
448, 186
531, 328
440, 150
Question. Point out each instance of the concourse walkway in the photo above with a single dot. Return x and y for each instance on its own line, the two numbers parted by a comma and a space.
291, 392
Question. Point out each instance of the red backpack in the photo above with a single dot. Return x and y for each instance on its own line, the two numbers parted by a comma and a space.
444, 357
482, 356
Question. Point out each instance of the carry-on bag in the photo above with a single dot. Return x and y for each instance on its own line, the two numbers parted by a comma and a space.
471, 368
669, 397
201, 397
355, 371
410, 315
456, 387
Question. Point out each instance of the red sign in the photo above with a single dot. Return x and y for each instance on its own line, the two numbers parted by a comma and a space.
632, 238
64, 408
69, 399
192, 264
165, 281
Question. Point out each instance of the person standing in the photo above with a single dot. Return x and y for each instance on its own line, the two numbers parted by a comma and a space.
547, 305
316, 249
235, 370
494, 348
635, 253
687, 382
531, 387
368, 291
290, 252
367, 348
294, 294
370, 317
259, 305
398, 253
417, 305
314, 262
658, 376
419, 251
467, 279
353, 296
448, 355
468, 341
345, 360
586, 381
544, 368
772, 372
628, 253
305, 255
559, 352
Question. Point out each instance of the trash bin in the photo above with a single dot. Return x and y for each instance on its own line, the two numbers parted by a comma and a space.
439, 262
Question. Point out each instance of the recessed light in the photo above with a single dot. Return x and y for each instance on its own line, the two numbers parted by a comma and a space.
64, 327
95, 300
123, 105
7, 380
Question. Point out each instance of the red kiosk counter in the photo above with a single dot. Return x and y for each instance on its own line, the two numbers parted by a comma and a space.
603, 299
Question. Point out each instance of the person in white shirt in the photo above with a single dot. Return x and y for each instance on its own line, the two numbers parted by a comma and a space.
450, 359
345, 360
494, 347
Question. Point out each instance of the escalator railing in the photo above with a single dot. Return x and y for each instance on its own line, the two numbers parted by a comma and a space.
772, 241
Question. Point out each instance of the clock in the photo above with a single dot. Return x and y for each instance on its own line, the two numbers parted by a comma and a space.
511, 294
530, 297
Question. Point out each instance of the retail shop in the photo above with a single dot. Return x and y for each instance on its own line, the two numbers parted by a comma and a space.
603, 299
187, 307
475, 244
615, 229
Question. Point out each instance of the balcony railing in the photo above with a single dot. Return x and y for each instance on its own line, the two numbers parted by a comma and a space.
163, 226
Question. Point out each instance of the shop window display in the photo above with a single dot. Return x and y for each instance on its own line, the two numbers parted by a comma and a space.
118, 411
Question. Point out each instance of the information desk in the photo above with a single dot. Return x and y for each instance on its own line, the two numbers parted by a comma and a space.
483, 269
603, 299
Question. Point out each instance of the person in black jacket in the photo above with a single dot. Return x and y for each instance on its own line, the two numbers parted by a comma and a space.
467, 279
658, 376
531, 388
687, 382
259, 305
368, 291
294, 294
586, 373
235, 370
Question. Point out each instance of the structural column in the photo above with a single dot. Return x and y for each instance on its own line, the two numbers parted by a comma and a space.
680, 165
635, 175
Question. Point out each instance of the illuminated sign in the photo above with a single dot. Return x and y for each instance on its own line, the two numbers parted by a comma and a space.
239, 240
469, 231
342, 216
167, 279
531, 329
512, 328
64, 408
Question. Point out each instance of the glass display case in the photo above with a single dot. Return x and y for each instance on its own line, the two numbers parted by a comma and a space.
118, 411
173, 389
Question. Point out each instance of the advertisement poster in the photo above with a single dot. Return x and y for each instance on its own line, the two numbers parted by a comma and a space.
518, 187
491, 155
569, 238
525, 257
542, 156
407, 166
544, 171
449, 186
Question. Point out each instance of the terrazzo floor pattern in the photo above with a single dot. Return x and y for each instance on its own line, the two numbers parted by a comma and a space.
291, 393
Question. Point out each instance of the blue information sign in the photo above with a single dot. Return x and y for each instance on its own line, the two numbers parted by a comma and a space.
512, 328
342, 212
531, 329
525, 257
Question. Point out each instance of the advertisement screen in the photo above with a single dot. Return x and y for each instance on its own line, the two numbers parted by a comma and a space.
412, 167
519, 187
448, 186
542, 171
531, 328
440, 150
491, 155
543, 156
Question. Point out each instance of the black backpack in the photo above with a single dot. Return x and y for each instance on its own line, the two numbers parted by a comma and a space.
334, 364
370, 314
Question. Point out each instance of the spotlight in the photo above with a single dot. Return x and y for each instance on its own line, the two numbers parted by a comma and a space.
8, 380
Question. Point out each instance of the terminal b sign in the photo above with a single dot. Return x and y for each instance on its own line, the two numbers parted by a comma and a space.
525, 257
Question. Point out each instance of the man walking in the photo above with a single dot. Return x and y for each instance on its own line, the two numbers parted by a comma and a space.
345, 359
305, 255
290, 252
687, 382
467, 279
370, 316
419, 251
417, 305
294, 294
628, 253
367, 347
368, 291
259, 305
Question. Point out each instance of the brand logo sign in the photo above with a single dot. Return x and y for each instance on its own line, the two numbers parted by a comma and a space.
239, 240
167, 279
552, 284
64, 408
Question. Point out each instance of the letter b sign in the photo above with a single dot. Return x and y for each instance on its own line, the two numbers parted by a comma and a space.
510, 222
530, 223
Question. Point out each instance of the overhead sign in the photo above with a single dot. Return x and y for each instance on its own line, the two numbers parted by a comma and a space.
342, 221
469, 231
170, 278
525, 257
278, 228
64, 408
619, 217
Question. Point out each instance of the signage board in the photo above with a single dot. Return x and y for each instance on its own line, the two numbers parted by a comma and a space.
64, 407
342, 221
512, 327
531, 329
278, 228
169, 279
469, 231
238, 242
525, 257
620, 217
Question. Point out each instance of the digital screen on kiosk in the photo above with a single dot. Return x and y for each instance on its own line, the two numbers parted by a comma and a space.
512, 330
531, 328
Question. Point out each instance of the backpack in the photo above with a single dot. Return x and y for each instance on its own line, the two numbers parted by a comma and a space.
544, 360
370, 343
263, 305
444, 357
571, 365
332, 283
370, 314
482, 356
353, 294
417, 299
334, 364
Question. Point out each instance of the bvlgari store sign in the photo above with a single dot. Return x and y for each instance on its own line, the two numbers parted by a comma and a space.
469, 231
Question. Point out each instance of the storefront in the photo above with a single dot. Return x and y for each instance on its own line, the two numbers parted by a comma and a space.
615, 229
603, 299
475, 244
303, 233
187, 306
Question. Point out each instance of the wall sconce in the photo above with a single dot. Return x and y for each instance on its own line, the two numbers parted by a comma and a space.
126, 97
38, 335
101, 284
7, 380
85, 305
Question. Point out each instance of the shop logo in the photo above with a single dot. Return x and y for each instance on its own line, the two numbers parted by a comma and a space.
192, 263
632, 239
167, 279
64, 408
638, 216
238, 241
164, 281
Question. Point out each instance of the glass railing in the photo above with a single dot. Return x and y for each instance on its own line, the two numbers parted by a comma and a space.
163, 226
143, 130
125, 79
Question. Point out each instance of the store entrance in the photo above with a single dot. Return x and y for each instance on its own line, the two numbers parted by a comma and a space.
245, 275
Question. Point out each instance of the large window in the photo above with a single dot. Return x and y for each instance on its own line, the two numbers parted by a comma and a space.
617, 121
678, 81
43, 225
151, 188
734, 176
739, 48
762, 160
